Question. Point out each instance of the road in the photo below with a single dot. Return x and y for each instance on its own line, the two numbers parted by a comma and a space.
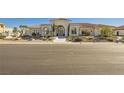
62, 59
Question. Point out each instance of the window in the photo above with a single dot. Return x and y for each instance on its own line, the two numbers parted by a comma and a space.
85, 32
74, 31
46, 31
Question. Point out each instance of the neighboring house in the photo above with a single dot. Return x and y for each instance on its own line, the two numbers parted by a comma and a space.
119, 31
8, 31
2, 28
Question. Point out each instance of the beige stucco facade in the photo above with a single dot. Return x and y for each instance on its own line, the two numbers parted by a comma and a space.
62, 28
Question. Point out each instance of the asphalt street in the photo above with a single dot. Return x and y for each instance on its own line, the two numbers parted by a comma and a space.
62, 59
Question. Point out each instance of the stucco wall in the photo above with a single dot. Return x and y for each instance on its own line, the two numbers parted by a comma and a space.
97, 32
63, 23
121, 32
72, 26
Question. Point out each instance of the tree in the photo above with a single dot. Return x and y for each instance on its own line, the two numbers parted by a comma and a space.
23, 26
54, 28
22, 29
34, 34
2, 36
106, 32
15, 31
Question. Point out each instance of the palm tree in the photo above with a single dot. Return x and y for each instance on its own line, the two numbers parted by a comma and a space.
54, 28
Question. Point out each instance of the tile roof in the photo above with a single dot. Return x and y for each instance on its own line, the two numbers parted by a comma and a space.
119, 28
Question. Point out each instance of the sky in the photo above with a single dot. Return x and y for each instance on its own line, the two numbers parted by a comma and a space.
14, 22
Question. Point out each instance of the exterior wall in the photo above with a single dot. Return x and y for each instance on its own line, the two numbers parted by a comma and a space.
87, 30
44, 30
41, 30
35, 30
63, 23
94, 30
97, 32
76, 26
27, 32
120, 32
68, 30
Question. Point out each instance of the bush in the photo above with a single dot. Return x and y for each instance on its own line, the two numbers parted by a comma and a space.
13, 35
88, 39
120, 39
70, 38
44, 39
50, 38
77, 39
2, 36
111, 39
74, 38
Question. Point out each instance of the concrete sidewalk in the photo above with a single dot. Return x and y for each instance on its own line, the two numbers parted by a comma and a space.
50, 42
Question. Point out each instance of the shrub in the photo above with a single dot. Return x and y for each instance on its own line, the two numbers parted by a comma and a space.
77, 39
50, 38
70, 38
74, 38
44, 38
111, 39
2, 36
88, 39
13, 35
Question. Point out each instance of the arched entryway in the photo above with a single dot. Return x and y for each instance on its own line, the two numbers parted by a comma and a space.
60, 31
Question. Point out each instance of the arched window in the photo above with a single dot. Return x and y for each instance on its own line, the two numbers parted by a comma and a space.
73, 31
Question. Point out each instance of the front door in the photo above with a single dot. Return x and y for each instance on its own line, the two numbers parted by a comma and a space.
117, 33
60, 31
